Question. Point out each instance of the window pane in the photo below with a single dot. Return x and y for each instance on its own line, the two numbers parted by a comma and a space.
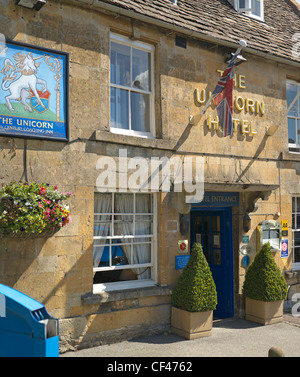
123, 225
298, 204
298, 222
141, 74
294, 204
100, 253
297, 255
124, 203
298, 131
143, 203
257, 8
143, 225
141, 253
296, 238
140, 112
242, 3
103, 203
293, 222
291, 92
292, 130
102, 229
119, 108
120, 64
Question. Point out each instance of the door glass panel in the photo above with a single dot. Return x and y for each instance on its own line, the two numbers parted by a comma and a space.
216, 223
216, 240
217, 257
207, 254
206, 241
206, 223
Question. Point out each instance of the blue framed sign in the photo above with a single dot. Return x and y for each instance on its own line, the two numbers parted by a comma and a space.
181, 261
33, 92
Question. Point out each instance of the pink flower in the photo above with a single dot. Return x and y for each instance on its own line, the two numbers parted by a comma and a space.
40, 205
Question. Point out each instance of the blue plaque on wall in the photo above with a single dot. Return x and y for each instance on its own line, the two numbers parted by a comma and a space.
181, 261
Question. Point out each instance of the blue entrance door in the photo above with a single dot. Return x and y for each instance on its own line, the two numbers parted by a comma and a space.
213, 229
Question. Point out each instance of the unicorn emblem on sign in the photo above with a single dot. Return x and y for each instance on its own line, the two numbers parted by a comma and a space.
24, 87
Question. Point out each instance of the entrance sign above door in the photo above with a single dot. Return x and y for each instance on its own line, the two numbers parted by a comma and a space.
218, 199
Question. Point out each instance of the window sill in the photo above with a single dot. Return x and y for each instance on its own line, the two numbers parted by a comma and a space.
290, 156
144, 142
116, 295
118, 131
292, 274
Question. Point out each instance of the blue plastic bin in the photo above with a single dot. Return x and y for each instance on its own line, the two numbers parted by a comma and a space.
26, 328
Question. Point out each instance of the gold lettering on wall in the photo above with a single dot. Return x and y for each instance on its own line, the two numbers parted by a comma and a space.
248, 105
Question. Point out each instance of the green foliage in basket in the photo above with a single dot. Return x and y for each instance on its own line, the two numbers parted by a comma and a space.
32, 208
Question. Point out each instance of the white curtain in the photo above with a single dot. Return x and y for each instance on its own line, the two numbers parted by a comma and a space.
102, 205
123, 205
141, 253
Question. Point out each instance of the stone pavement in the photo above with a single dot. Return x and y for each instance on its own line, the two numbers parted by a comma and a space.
230, 338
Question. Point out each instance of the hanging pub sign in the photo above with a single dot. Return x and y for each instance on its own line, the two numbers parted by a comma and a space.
33, 92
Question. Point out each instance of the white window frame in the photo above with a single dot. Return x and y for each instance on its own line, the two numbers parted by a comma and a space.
248, 10
295, 266
131, 284
297, 119
150, 49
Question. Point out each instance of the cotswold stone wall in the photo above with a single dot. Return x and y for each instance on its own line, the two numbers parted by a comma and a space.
58, 271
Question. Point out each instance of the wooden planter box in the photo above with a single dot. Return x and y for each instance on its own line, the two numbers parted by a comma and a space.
264, 313
191, 325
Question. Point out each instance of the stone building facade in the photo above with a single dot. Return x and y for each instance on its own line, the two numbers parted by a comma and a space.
140, 73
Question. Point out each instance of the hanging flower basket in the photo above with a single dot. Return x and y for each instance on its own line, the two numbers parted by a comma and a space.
32, 210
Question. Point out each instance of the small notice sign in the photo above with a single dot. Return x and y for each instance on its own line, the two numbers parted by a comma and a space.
181, 261
284, 248
183, 246
245, 239
284, 228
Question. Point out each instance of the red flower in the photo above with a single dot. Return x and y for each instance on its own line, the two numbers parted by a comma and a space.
42, 191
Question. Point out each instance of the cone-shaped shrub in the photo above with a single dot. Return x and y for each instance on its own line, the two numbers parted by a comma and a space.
195, 290
263, 280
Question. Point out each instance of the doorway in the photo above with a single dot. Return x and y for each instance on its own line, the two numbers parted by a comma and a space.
213, 229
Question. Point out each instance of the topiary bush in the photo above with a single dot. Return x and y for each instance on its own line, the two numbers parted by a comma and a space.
264, 280
195, 290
